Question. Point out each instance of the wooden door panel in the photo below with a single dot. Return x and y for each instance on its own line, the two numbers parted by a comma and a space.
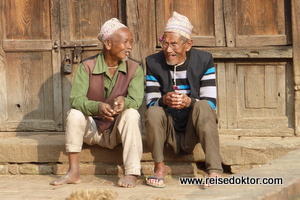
256, 22
205, 15
27, 19
261, 90
30, 73
26, 27
87, 17
29, 77
81, 20
255, 96
257, 17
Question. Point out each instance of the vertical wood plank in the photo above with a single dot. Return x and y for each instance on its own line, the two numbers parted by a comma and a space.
296, 60
56, 66
219, 23
222, 98
3, 94
65, 33
272, 86
283, 86
288, 21
290, 96
254, 93
229, 18
231, 97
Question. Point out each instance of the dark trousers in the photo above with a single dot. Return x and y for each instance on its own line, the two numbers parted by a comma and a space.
201, 127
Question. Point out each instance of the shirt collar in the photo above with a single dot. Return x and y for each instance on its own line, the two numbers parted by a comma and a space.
101, 66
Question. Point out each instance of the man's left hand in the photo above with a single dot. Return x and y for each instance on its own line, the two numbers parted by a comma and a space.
119, 104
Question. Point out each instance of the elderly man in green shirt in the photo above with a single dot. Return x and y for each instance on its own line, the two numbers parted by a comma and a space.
107, 91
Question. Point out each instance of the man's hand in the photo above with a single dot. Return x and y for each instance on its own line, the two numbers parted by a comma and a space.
119, 104
106, 112
186, 101
176, 100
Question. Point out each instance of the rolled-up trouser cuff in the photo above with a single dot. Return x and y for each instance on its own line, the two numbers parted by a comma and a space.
73, 149
133, 171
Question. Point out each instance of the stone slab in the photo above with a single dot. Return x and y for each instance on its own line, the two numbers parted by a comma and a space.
48, 148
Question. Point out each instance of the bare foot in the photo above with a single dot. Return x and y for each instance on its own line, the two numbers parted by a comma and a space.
158, 179
66, 179
210, 175
128, 181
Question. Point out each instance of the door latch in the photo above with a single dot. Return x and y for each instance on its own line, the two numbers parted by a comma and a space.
77, 54
78, 48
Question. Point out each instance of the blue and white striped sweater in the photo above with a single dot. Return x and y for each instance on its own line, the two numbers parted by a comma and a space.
207, 89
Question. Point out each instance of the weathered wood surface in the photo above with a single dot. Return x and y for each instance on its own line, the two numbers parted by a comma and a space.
32, 97
140, 20
206, 16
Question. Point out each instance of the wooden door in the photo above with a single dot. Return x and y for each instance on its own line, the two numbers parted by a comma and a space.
259, 91
30, 73
34, 91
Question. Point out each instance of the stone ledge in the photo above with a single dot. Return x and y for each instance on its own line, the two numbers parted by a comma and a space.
240, 153
173, 168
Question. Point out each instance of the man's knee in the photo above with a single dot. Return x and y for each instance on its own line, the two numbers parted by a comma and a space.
131, 114
202, 105
203, 110
76, 120
74, 115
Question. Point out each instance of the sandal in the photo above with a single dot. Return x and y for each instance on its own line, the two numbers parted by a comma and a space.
157, 179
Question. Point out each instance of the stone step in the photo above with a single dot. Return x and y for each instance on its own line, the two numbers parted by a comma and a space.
45, 153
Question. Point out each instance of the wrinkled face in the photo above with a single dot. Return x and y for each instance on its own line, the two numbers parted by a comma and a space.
175, 47
120, 44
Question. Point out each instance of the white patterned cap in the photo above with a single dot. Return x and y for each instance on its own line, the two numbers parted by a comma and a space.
109, 28
179, 24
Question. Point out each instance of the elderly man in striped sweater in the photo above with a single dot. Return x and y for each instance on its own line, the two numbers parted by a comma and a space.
181, 100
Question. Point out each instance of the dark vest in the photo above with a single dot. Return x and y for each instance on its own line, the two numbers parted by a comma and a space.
96, 87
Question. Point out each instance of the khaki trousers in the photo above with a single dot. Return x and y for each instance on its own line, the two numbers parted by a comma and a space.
126, 130
201, 127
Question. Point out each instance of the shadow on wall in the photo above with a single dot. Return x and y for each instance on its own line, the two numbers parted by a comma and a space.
42, 128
